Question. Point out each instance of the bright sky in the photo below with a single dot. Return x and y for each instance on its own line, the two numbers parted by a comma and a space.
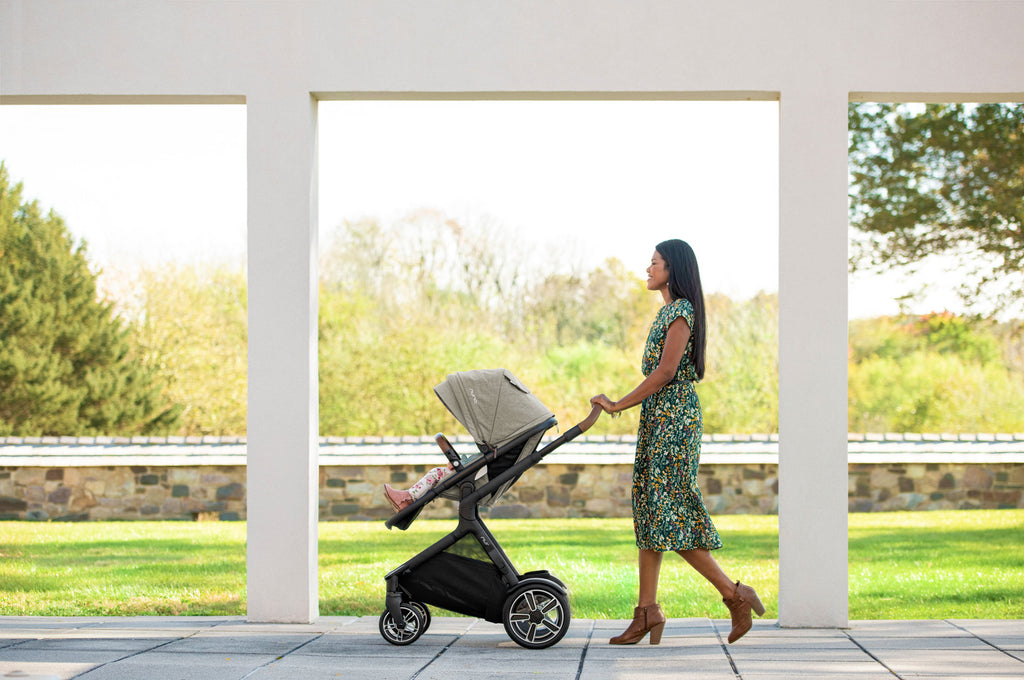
591, 179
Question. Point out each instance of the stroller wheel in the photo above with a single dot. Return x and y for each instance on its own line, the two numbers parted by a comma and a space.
536, 616
414, 625
424, 613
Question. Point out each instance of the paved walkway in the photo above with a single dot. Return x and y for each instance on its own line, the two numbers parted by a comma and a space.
215, 648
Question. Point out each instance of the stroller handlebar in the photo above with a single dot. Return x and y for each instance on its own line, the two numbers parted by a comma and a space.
587, 422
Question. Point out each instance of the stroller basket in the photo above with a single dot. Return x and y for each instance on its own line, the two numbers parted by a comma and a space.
459, 584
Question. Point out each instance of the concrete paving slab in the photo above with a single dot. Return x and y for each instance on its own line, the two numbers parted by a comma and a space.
350, 645
873, 644
47, 621
471, 665
499, 674
666, 668
509, 652
92, 657
951, 663
168, 666
750, 641
160, 622
810, 668
94, 644
956, 676
752, 655
1006, 642
233, 628
65, 664
881, 674
182, 648
239, 643
348, 666
66, 670
986, 628
915, 629
667, 648
88, 633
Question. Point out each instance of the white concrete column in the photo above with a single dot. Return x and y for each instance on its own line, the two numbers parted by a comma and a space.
813, 246
282, 419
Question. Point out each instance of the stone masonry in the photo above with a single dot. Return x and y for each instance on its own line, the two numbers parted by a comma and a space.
64, 480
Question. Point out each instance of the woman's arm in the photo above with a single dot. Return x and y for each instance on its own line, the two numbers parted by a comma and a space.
676, 337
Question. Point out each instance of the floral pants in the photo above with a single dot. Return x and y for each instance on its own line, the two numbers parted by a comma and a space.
429, 480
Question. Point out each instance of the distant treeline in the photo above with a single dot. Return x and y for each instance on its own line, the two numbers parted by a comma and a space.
404, 304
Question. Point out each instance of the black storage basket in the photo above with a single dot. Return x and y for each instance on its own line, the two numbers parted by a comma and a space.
459, 584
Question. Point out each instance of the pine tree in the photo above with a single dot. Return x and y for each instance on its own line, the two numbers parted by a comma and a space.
67, 364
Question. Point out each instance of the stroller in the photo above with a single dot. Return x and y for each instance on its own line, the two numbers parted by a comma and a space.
467, 571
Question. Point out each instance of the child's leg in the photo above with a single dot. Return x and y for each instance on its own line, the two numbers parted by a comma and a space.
429, 480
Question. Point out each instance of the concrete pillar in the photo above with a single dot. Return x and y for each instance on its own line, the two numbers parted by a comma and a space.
283, 394
813, 246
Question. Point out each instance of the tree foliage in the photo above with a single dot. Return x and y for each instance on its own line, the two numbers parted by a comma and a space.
941, 179
68, 364
740, 393
395, 319
404, 304
935, 373
191, 320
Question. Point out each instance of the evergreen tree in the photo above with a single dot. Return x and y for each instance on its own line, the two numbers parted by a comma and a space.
67, 366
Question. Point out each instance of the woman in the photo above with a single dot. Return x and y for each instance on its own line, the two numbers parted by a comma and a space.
668, 510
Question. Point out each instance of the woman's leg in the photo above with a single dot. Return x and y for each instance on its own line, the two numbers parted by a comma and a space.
706, 565
647, 616
650, 569
739, 598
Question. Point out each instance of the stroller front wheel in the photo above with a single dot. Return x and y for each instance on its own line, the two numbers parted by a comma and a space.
415, 618
536, 616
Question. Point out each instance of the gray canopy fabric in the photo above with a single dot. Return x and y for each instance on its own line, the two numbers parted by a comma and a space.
492, 404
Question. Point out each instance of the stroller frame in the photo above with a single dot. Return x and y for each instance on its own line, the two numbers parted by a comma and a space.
534, 607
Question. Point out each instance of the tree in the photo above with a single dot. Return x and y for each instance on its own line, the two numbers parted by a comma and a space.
942, 179
67, 365
193, 317
933, 373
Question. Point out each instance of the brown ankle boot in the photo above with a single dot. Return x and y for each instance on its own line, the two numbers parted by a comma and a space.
645, 619
740, 604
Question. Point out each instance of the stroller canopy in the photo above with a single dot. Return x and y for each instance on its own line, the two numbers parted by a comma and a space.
492, 404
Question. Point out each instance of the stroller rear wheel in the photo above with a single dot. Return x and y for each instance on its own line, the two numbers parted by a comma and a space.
416, 619
536, 616
423, 612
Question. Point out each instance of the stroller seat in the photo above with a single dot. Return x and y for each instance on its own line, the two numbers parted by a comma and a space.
506, 422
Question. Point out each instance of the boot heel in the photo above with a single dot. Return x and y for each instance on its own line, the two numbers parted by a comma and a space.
656, 633
756, 605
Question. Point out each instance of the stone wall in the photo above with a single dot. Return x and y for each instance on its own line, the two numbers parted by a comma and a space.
122, 493
556, 489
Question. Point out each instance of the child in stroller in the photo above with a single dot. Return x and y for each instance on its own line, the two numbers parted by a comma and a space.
402, 498
467, 571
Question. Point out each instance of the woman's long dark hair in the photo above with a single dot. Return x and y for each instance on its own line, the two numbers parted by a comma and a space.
684, 282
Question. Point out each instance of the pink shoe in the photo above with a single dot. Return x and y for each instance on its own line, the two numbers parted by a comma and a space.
398, 499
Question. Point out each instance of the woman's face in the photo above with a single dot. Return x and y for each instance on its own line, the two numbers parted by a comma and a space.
657, 273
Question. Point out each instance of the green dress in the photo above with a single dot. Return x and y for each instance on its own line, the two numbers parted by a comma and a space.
668, 509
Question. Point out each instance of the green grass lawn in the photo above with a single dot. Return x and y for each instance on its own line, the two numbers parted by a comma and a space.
966, 564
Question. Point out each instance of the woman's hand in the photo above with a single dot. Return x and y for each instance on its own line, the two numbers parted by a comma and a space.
604, 402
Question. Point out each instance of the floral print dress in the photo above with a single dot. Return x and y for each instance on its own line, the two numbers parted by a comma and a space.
668, 509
